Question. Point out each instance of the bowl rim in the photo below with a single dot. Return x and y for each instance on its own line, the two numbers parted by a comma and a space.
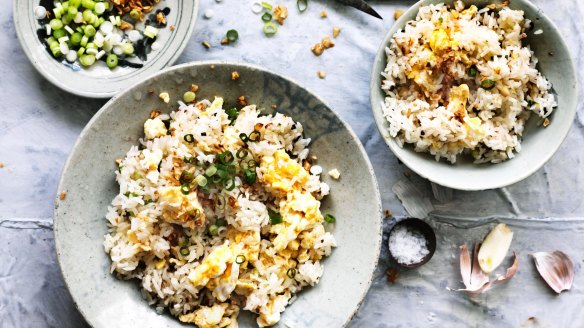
97, 95
396, 149
102, 110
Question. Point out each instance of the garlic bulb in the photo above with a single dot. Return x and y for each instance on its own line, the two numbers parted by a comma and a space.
495, 247
556, 269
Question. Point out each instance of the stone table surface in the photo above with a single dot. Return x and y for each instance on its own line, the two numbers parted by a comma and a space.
39, 124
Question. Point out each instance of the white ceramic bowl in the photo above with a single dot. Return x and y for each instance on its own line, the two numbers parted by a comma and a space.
538, 145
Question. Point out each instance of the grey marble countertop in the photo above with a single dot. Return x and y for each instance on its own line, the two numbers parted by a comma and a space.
40, 123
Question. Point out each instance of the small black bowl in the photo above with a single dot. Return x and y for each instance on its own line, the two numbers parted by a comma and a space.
426, 230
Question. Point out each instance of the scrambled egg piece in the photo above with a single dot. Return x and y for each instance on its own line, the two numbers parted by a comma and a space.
440, 41
270, 314
212, 266
154, 128
300, 211
457, 102
283, 174
248, 242
215, 316
180, 208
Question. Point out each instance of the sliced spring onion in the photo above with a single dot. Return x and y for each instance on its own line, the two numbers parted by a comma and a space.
57, 34
241, 153
89, 30
184, 251
186, 177
87, 60
267, 5
220, 223
254, 136
135, 15
291, 273
111, 61
266, 17
89, 4
240, 259
243, 137
185, 189
229, 183
213, 230
270, 28
201, 180
302, 5
127, 48
232, 113
189, 96
275, 218
189, 138
472, 71
56, 24
225, 157
211, 170
99, 8
232, 35
251, 164
329, 218
249, 176
76, 38
150, 32
488, 84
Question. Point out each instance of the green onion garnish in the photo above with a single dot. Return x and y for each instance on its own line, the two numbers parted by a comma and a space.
216, 178
251, 164
440, 19
243, 137
189, 138
111, 61
329, 218
220, 223
488, 84
225, 157
210, 171
232, 35
241, 153
291, 273
148, 201
213, 230
229, 184
195, 213
267, 5
201, 180
302, 5
185, 189
275, 218
232, 113
135, 15
184, 251
186, 177
270, 28
189, 160
189, 97
254, 136
249, 176
472, 71
240, 259
266, 17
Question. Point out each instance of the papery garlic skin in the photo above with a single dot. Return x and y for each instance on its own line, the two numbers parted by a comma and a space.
556, 268
495, 247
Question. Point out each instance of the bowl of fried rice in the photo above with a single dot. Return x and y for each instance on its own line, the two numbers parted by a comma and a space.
474, 95
218, 195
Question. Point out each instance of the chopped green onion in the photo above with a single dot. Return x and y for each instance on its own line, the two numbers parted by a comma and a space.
84, 41
55, 24
229, 184
249, 176
267, 5
189, 138
127, 48
111, 61
232, 113
220, 223
189, 96
270, 28
57, 34
184, 251
87, 16
240, 259
254, 136
243, 137
186, 177
216, 178
302, 5
135, 15
150, 32
148, 201
213, 230
185, 189
89, 31
251, 164
275, 218
89, 4
488, 84
225, 157
71, 12
211, 170
195, 213
329, 218
74, 3
440, 19
241, 153
232, 35
266, 17
201, 180
87, 60
291, 273
472, 71
76, 38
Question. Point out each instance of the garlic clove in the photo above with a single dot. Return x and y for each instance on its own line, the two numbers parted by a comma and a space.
495, 247
556, 268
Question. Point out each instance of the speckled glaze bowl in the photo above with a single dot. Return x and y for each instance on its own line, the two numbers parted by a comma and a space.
98, 81
538, 145
89, 181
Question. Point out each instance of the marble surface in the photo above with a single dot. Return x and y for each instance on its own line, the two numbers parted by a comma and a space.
40, 123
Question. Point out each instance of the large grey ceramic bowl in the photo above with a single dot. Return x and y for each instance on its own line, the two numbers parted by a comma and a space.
98, 81
89, 181
538, 145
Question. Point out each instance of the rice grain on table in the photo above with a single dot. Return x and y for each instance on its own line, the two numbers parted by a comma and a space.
460, 82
